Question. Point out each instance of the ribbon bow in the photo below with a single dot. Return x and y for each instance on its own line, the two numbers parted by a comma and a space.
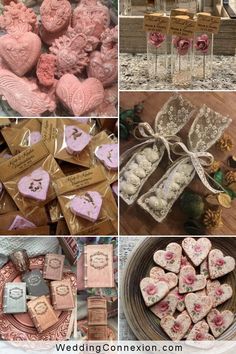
199, 160
144, 132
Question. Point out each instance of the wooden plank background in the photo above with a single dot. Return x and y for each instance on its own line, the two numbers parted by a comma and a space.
133, 219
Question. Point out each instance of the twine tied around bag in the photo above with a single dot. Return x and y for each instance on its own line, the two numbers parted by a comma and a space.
144, 132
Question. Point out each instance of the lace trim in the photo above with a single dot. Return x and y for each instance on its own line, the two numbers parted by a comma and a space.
160, 198
206, 129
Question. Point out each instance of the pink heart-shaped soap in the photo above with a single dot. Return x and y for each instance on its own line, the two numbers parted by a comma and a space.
76, 139
219, 321
197, 306
153, 290
1, 187
20, 52
196, 250
159, 274
170, 259
35, 185
21, 223
87, 206
200, 332
34, 138
165, 307
219, 264
176, 328
103, 68
55, 15
108, 155
79, 97
189, 281
218, 292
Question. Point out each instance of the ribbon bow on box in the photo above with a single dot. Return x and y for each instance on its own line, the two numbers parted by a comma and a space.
146, 156
206, 129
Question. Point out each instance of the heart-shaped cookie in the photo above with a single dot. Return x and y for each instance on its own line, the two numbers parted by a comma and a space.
152, 290
198, 250
219, 321
21, 51
218, 292
108, 155
219, 264
204, 270
200, 332
170, 259
159, 274
197, 306
189, 281
177, 327
103, 67
35, 185
165, 307
21, 223
181, 304
79, 97
87, 206
76, 139
55, 15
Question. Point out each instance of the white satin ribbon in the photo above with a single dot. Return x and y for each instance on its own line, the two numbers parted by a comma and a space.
144, 131
199, 160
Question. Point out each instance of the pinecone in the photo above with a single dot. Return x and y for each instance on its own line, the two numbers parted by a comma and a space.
230, 177
225, 143
215, 166
212, 218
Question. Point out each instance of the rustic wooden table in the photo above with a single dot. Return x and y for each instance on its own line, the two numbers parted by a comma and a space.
134, 220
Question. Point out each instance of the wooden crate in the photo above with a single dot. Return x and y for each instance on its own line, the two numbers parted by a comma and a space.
133, 38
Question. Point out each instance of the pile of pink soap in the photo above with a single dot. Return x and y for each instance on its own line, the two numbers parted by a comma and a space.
64, 58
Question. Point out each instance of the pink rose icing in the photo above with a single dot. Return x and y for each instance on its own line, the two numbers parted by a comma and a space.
164, 306
220, 262
197, 248
169, 255
189, 279
219, 292
176, 327
200, 336
218, 320
151, 289
197, 307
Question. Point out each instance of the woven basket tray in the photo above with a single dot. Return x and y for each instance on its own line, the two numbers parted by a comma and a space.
144, 324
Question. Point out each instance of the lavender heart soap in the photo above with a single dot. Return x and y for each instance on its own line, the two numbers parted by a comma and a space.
87, 206
21, 223
108, 155
76, 139
35, 185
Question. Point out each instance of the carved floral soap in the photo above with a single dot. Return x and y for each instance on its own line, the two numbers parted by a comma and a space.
64, 39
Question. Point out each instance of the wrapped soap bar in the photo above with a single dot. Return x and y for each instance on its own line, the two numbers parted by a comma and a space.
87, 203
29, 177
68, 140
107, 162
21, 136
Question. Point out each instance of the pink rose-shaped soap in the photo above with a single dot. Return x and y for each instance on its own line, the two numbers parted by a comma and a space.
182, 45
156, 39
202, 43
